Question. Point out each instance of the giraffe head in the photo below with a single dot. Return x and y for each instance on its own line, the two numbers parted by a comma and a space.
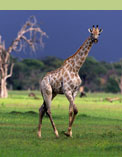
95, 33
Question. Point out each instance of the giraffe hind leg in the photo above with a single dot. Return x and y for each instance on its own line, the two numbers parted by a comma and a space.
52, 122
48, 96
42, 111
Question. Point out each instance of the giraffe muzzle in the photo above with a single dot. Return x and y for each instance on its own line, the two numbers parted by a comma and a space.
95, 41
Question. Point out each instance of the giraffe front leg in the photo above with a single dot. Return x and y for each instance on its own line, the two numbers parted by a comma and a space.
75, 110
72, 115
69, 131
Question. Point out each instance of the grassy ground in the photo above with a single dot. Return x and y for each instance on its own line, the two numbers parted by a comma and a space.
97, 131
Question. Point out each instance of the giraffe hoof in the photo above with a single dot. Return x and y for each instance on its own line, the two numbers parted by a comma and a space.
67, 134
39, 134
56, 133
57, 136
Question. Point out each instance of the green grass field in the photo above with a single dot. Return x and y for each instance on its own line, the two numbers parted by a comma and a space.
97, 130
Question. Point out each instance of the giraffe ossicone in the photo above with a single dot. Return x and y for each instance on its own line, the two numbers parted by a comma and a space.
65, 80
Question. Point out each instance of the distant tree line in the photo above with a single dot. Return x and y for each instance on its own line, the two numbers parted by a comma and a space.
97, 76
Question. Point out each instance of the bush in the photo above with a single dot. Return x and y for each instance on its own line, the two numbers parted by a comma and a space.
112, 86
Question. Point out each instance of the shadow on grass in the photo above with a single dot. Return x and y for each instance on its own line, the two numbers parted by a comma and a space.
23, 113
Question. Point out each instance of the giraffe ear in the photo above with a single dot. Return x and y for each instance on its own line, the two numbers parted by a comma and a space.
90, 30
100, 31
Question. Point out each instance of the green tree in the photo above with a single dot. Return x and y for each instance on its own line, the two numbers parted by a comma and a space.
51, 63
91, 72
112, 86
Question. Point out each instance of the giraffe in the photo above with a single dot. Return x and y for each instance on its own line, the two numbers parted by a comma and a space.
65, 80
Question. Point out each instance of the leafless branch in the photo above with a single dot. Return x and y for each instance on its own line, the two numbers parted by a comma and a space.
28, 33
11, 71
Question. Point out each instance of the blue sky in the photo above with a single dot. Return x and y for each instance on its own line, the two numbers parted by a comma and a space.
67, 30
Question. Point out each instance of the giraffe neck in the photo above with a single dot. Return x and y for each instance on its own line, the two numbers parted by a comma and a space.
76, 61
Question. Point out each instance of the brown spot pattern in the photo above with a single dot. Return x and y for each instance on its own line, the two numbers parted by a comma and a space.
83, 58
65, 75
72, 86
67, 78
70, 82
70, 68
77, 57
74, 70
86, 52
62, 71
72, 75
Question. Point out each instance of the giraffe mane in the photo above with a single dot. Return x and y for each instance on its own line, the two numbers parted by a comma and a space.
54, 71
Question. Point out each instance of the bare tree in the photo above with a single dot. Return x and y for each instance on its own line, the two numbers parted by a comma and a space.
30, 34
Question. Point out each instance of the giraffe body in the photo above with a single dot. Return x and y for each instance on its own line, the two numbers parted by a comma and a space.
65, 80
60, 81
